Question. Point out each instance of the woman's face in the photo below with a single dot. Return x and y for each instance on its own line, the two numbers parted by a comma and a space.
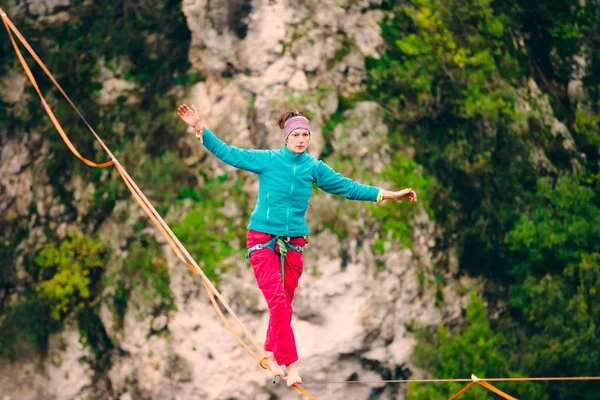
297, 141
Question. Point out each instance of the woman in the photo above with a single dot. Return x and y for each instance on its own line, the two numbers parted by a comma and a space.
277, 228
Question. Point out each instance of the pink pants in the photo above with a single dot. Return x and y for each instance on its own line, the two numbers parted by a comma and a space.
267, 270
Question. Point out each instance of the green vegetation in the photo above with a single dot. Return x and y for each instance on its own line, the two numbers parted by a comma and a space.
72, 263
25, 327
159, 178
518, 199
209, 236
396, 216
144, 273
208, 248
556, 265
476, 348
67, 286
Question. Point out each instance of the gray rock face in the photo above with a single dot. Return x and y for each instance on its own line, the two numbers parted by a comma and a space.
159, 323
363, 134
15, 180
46, 7
536, 107
66, 373
12, 87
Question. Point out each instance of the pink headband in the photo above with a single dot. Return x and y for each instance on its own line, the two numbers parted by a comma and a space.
297, 122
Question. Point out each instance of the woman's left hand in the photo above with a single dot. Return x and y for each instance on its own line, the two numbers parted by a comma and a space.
404, 194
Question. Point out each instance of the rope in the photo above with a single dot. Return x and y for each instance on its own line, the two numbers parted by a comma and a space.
7, 24
473, 381
139, 196
566, 378
487, 386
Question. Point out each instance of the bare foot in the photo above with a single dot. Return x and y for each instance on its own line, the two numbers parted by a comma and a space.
292, 375
276, 369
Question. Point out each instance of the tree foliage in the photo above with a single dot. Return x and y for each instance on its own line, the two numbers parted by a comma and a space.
466, 84
70, 270
72, 263
556, 262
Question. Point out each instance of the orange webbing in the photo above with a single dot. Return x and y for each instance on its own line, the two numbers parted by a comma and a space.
178, 248
469, 386
485, 385
496, 390
139, 196
8, 23
45, 104
214, 302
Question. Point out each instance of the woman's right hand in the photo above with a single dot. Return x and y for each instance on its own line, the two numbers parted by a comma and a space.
189, 115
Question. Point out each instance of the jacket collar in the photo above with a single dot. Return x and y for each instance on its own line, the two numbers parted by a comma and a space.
290, 155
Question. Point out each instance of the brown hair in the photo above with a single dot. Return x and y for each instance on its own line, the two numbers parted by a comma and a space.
285, 115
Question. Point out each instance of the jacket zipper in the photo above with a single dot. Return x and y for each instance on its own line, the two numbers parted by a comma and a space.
268, 208
287, 224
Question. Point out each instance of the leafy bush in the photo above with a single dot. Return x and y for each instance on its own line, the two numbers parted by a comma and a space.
397, 216
556, 263
72, 263
71, 268
144, 272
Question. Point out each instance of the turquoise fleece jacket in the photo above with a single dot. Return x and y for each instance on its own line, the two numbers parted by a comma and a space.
285, 182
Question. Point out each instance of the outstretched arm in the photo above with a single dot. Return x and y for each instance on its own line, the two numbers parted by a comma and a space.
249, 160
404, 194
333, 182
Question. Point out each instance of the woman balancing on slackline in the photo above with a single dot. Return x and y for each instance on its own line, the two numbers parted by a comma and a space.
277, 227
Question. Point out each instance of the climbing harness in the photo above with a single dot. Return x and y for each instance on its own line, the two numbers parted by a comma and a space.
283, 242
